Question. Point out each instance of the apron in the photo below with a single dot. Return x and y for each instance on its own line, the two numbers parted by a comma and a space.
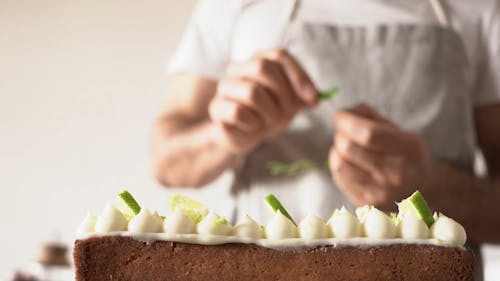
414, 75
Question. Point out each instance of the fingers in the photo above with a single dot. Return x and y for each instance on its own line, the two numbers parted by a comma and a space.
300, 81
367, 160
253, 96
234, 114
269, 74
358, 186
369, 133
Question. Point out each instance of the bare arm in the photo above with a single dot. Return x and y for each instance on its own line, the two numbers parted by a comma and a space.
185, 149
207, 125
473, 201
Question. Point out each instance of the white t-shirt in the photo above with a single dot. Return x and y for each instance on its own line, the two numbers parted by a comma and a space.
233, 30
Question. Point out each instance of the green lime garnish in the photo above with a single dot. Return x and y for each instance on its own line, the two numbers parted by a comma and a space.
128, 205
361, 212
195, 210
418, 206
394, 218
276, 206
282, 168
328, 94
221, 220
277, 168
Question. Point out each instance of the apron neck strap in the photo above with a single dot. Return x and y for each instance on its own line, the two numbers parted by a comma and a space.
440, 12
290, 14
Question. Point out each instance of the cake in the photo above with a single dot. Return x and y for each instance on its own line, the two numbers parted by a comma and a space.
127, 242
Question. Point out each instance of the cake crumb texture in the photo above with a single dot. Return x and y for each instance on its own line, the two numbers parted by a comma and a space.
126, 259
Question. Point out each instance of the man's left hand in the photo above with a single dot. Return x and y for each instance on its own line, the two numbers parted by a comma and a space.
373, 161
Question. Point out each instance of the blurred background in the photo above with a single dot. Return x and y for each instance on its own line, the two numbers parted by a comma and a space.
80, 85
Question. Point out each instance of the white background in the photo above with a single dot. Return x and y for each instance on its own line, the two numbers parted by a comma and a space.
80, 85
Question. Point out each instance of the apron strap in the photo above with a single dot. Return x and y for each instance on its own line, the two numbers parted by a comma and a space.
290, 14
440, 12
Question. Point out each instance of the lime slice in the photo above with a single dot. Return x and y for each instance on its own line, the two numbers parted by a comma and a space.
195, 210
276, 205
418, 206
328, 94
128, 205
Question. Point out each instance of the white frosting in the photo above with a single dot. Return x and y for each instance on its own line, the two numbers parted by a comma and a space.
312, 227
110, 220
213, 224
87, 225
248, 228
146, 222
178, 223
448, 230
411, 227
376, 224
270, 243
280, 227
344, 224
281, 232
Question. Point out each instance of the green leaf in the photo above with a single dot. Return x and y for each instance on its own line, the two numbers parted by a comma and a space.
276, 205
328, 94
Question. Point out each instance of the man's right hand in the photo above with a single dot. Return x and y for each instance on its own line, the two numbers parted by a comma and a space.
257, 99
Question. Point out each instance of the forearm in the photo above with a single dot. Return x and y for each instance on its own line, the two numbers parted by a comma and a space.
473, 201
187, 154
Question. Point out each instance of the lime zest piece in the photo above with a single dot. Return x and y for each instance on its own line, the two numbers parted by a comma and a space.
328, 94
276, 205
277, 168
129, 206
361, 212
418, 206
280, 168
195, 210
394, 218
221, 220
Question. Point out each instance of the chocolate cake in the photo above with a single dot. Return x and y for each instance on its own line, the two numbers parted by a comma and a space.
194, 244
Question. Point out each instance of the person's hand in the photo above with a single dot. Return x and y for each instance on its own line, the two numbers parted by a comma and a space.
257, 99
373, 161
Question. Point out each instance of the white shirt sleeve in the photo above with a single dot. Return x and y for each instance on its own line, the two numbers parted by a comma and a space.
204, 47
488, 78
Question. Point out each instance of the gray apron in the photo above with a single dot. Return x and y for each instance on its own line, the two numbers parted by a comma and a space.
412, 74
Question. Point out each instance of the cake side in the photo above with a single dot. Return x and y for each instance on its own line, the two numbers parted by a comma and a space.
128, 242
125, 258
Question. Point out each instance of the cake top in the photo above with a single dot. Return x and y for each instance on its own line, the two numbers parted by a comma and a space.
193, 221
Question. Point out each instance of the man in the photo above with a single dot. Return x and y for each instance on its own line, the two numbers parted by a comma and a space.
420, 95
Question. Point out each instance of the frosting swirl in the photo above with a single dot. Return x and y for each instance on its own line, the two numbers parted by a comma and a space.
178, 223
87, 225
411, 227
280, 227
214, 224
448, 230
376, 224
312, 227
146, 222
248, 228
344, 224
110, 220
